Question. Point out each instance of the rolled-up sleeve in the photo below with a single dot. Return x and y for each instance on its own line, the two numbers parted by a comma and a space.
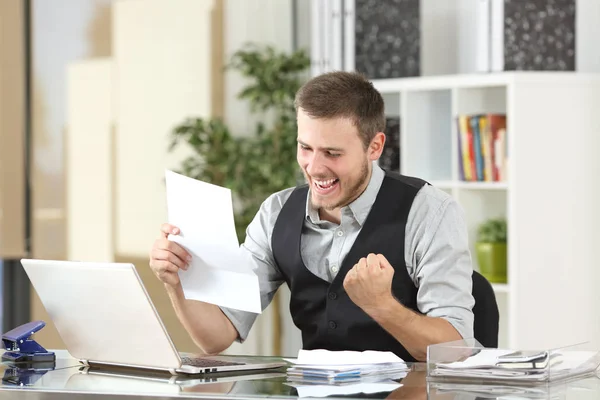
439, 260
257, 250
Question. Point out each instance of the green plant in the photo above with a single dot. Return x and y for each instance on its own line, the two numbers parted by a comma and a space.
492, 231
252, 166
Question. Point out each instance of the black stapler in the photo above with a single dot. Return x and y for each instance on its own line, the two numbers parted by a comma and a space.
21, 348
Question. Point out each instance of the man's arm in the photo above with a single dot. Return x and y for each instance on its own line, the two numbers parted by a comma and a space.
213, 332
257, 248
439, 261
369, 283
205, 323
440, 265
214, 328
414, 331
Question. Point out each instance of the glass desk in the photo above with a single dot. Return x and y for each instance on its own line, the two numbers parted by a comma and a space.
69, 380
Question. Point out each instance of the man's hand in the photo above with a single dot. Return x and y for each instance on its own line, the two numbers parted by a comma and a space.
206, 323
369, 282
167, 257
369, 286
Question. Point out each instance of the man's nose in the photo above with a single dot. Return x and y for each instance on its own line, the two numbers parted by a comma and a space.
315, 165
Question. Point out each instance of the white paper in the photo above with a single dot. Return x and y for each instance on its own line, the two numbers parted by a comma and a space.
485, 358
336, 367
484, 365
325, 357
330, 390
219, 272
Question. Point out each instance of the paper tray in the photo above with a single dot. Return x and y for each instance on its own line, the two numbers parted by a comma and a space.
469, 361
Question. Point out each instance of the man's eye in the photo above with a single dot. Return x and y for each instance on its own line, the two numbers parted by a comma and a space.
303, 147
333, 154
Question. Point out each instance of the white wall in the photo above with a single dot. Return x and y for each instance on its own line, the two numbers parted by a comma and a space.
264, 22
587, 51
438, 48
302, 24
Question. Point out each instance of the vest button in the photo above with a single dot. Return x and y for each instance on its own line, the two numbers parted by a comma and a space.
332, 296
332, 324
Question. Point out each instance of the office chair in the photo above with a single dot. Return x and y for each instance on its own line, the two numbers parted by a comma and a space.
485, 311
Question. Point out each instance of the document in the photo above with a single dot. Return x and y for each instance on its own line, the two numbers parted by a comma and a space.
219, 272
314, 366
341, 358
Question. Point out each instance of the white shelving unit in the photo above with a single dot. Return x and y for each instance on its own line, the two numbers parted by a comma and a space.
550, 198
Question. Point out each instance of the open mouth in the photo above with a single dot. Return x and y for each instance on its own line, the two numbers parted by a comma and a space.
326, 186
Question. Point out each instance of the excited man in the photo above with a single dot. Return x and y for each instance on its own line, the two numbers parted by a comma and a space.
374, 260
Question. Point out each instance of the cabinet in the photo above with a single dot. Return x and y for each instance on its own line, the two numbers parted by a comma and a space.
550, 196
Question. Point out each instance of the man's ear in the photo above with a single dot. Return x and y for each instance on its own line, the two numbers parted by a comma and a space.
376, 146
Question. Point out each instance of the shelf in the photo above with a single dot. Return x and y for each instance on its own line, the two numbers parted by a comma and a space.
483, 80
442, 82
443, 184
482, 185
470, 185
501, 287
429, 149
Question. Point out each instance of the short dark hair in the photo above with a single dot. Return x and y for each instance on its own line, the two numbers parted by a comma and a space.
347, 95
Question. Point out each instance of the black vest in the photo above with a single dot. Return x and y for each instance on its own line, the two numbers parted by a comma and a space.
323, 311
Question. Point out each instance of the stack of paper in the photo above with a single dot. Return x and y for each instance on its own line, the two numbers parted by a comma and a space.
324, 366
508, 365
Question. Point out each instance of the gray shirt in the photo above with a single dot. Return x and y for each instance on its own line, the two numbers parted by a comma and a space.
436, 251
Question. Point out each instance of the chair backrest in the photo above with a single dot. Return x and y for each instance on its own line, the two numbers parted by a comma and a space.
487, 316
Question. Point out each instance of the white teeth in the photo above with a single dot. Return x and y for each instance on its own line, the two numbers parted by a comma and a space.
325, 183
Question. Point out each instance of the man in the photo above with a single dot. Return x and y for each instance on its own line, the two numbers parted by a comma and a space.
374, 260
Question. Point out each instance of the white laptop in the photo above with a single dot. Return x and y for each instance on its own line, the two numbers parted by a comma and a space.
105, 317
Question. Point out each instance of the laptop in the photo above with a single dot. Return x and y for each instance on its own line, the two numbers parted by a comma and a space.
105, 317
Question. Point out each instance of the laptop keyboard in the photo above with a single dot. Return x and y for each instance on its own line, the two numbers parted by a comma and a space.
205, 362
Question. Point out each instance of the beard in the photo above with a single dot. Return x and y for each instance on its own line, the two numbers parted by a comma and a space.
350, 190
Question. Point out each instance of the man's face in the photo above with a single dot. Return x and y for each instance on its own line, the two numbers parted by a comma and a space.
334, 161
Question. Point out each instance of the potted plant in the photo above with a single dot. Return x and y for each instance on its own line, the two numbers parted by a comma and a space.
491, 249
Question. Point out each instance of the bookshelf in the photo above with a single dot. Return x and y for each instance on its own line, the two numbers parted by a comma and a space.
550, 195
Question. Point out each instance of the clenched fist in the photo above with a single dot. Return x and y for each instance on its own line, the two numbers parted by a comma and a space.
167, 257
369, 282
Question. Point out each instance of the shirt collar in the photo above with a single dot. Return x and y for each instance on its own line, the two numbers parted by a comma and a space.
361, 206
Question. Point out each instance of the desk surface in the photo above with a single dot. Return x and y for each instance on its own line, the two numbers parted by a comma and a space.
70, 380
